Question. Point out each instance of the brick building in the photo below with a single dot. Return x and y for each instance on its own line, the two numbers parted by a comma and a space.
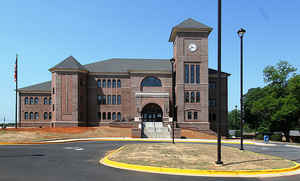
131, 91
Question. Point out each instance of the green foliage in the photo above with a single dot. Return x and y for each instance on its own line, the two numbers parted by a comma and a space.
275, 137
237, 133
274, 107
260, 136
234, 118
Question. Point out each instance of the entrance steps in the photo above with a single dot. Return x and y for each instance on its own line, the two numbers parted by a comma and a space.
155, 130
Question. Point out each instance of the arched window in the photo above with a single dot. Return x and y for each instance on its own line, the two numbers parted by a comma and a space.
103, 83
198, 97
99, 83
26, 115
114, 116
109, 115
31, 115
119, 99
50, 115
119, 116
26, 101
45, 115
114, 83
104, 115
36, 115
119, 83
45, 100
31, 100
113, 99
108, 83
50, 100
36, 100
151, 82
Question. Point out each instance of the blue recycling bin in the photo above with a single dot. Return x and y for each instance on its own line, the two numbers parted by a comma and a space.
266, 138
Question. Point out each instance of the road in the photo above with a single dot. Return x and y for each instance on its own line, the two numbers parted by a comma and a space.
78, 161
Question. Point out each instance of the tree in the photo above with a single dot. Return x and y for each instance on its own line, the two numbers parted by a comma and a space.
275, 107
234, 118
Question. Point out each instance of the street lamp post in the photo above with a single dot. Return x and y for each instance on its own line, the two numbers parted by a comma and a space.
219, 161
241, 33
172, 60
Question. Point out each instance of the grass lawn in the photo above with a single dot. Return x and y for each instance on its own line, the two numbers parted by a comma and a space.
196, 156
40, 134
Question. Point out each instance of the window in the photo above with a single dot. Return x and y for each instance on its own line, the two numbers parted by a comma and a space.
192, 97
186, 73
104, 115
151, 82
198, 97
50, 115
195, 115
212, 85
53, 91
198, 74
99, 115
104, 99
109, 115
31, 100
50, 100
212, 103
113, 99
36, 100
98, 83
109, 99
36, 115
45, 115
114, 83
103, 83
189, 115
214, 117
52, 107
26, 100
45, 100
31, 115
119, 83
192, 73
119, 99
108, 83
186, 97
26, 115
99, 99
119, 116
114, 116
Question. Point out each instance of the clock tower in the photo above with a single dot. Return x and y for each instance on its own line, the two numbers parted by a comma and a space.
190, 46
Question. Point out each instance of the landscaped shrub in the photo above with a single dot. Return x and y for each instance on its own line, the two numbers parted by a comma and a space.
260, 136
275, 137
237, 133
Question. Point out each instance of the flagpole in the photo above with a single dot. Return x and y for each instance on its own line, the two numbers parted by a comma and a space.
16, 77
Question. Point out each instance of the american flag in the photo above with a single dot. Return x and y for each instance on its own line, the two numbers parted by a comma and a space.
16, 68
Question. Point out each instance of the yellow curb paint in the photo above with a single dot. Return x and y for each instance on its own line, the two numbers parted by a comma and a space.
193, 172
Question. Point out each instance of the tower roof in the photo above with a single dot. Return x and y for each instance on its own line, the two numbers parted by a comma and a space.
189, 25
69, 63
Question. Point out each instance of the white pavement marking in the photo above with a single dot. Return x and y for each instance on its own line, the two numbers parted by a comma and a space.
74, 148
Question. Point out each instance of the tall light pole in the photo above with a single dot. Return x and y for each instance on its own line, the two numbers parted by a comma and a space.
241, 33
219, 161
172, 60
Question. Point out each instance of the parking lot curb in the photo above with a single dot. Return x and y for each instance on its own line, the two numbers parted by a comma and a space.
192, 172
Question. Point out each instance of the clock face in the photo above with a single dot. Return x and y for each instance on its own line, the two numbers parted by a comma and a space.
192, 47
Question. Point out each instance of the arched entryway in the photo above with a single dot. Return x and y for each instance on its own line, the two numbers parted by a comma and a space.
152, 113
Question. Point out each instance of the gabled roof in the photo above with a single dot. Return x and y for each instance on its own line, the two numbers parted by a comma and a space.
189, 25
69, 63
126, 65
40, 87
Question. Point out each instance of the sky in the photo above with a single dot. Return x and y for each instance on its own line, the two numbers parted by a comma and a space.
45, 32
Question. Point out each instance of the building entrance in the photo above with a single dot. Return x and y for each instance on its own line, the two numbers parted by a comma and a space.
152, 113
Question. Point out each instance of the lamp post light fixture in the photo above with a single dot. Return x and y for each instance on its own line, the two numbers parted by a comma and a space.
241, 33
172, 60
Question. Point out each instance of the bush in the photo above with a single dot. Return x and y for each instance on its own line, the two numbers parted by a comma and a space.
260, 136
237, 133
275, 137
